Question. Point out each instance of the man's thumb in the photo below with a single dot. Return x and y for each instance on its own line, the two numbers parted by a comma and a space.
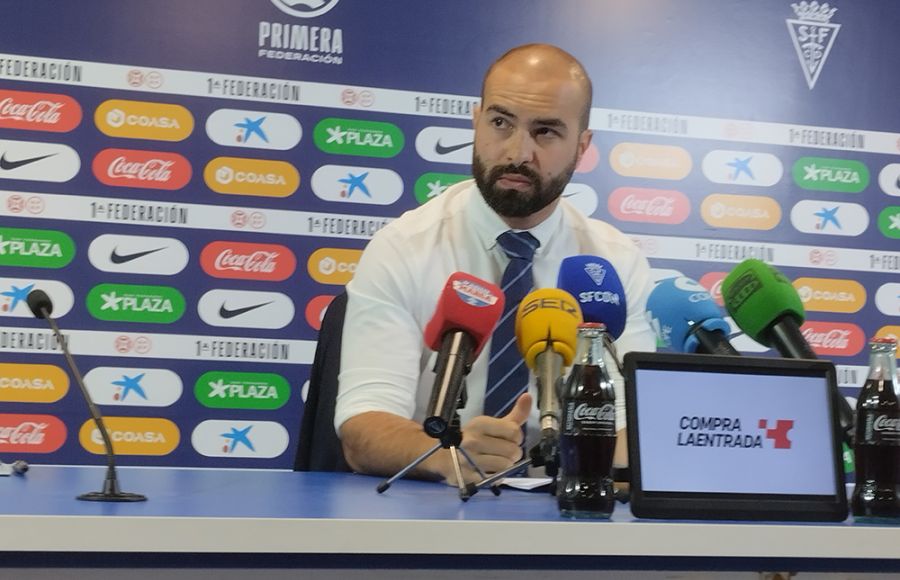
521, 410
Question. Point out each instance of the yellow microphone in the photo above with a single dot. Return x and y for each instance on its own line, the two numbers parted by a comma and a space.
546, 329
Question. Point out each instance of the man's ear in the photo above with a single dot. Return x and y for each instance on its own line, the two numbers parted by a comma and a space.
584, 141
476, 114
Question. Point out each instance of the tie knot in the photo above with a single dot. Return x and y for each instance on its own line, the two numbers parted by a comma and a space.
518, 244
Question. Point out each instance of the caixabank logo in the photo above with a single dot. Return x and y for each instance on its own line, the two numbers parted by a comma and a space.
730, 432
134, 387
300, 40
240, 439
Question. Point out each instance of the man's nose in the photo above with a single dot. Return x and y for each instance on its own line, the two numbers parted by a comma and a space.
520, 148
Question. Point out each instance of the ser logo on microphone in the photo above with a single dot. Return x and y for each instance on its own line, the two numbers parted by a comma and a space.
562, 304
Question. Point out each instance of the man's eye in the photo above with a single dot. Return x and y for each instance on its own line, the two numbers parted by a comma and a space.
544, 131
499, 122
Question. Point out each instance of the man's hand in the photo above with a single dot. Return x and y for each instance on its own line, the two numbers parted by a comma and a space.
493, 443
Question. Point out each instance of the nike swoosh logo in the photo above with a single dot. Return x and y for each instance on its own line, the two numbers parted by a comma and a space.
226, 313
574, 193
7, 165
445, 149
117, 258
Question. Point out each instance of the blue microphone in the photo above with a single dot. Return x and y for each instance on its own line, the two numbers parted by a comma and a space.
685, 318
596, 286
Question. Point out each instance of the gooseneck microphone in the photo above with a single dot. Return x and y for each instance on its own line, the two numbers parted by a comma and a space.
546, 327
766, 306
463, 321
41, 306
685, 318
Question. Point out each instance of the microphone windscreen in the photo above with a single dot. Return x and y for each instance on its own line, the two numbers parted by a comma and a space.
38, 302
595, 284
675, 306
757, 295
467, 304
547, 318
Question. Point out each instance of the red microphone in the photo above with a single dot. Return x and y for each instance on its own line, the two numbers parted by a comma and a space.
465, 317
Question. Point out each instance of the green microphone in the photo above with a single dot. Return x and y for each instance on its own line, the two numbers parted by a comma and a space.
765, 305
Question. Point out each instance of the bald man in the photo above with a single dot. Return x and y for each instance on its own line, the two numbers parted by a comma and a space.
530, 132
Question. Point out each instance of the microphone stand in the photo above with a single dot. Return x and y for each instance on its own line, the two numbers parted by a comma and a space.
450, 438
111, 491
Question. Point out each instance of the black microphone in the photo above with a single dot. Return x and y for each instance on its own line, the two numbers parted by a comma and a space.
41, 306
18, 467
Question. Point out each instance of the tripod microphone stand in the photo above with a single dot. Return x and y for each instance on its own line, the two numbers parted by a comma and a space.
545, 453
449, 437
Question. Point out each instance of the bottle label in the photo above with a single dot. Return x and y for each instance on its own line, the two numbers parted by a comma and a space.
881, 429
582, 418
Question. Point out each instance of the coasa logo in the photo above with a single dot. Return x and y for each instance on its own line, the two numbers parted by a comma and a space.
315, 311
305, 8
253, 129
14, 296
357, 184
658, 206
138, 254
889, 221
237, 390
742, 168
430, 185
749, 212
357, 137
245, 309
35, 248
830, 295
240, 439
143, 120
131, 436
889, 179
813, 36
826, 174
38, 111
32, 383
245, 261
653, 161
133, 387
887, 299
834, 338
445, 145
31, 433
34, 161
262, 177
145, 169
333, 265
829, 218
135, 303
582, 196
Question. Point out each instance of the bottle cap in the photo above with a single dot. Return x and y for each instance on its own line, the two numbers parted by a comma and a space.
884, 340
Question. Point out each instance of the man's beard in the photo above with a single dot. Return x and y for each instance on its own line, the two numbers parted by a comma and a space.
513, 203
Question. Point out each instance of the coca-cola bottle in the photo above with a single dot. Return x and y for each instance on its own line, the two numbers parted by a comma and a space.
877, 441
588, 434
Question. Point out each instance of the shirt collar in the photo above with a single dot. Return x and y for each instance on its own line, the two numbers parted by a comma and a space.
488, 225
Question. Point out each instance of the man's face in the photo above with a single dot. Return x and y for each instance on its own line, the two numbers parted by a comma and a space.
527, 140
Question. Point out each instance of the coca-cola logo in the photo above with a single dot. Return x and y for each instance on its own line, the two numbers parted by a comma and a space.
270, 262
834, 338
637, 204
886, 423
31, 433
148, 169
587, 412
38, 111
712, 281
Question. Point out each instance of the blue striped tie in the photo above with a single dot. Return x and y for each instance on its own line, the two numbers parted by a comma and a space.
507, 373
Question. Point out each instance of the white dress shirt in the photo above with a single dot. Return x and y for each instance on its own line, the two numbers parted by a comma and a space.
385, 364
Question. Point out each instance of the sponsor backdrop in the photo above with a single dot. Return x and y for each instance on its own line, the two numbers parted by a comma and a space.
191, 183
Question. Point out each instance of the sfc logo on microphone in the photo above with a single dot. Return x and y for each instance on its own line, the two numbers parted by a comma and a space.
474, 294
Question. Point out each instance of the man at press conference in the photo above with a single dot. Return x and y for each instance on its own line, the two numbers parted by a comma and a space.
508, 226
